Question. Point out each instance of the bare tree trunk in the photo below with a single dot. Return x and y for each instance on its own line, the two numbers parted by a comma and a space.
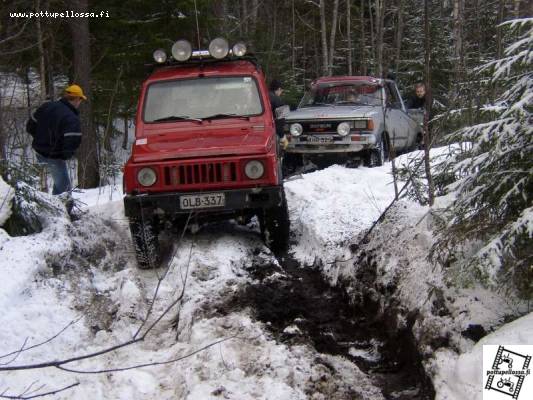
363, 41
244, 16
40, 47
253, 18
125, 137
349, 34
399, 36
323, 35
458, 11
109, 123
429, 100
380, 18
499, 36
332, 36
293, 49
88, 171
372, 36
220, 9
517, 8
3, 139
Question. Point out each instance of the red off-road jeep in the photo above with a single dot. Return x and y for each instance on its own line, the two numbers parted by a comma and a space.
205, 148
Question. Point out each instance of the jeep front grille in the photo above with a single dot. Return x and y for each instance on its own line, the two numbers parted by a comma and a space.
196, 174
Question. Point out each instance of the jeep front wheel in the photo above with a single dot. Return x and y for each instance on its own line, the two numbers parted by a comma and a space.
275, 226
146, 243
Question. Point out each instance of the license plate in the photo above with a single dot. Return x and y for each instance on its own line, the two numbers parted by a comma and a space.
207, 200
317, 139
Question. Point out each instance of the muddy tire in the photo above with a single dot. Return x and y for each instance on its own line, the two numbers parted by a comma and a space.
146, 243
275, 226
291, 164
376, 157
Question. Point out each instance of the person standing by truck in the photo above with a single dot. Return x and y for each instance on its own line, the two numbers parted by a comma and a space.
275, 92
418, 100
55, 127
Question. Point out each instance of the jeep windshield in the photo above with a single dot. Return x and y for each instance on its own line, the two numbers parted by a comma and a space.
202, 98
332, 94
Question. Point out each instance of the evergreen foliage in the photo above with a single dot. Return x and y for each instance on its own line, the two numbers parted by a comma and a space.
488, 229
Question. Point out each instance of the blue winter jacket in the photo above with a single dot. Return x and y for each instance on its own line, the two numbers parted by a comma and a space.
56, 131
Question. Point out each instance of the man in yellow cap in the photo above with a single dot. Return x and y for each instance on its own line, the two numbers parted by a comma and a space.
56, 131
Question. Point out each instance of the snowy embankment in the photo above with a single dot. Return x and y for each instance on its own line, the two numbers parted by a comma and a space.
331, 209
82, 276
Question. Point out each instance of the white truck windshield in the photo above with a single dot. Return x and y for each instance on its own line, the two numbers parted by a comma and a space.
200, 98
329, 94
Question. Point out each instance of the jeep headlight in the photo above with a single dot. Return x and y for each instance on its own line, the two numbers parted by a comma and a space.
218, 48
181, 50
146, 176
343, 128
296, 129
254, 169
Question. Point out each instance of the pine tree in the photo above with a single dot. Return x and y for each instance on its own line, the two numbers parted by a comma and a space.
489, 225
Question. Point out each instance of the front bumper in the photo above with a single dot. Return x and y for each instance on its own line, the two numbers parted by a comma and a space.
235, 200
309, 144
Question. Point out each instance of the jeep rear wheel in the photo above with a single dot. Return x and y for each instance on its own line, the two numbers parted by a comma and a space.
275, 226
146, 243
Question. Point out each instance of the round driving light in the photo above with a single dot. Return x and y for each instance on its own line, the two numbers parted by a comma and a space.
160, 56
343, 128
146, 176
239, 49
254, 169
296, 129
181, 50
219, 48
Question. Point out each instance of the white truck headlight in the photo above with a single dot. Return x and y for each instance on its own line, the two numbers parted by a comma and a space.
146, 176
218, 48
296, 129
181, 50
343, 128
254, 169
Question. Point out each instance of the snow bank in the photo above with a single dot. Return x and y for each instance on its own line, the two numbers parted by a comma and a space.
329, 208
461, 377
6, 195
87, 270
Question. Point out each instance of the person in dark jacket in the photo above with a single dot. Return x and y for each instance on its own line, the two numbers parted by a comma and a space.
56, 131
275, 92
419, 99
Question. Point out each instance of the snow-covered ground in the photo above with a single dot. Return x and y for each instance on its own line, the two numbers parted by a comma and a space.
82, 276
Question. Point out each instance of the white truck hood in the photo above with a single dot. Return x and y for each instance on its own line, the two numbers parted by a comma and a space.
333, 112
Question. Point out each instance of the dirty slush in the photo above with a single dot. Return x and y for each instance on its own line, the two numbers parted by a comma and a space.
299, 308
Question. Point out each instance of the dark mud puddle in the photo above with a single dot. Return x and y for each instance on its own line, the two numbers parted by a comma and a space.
299, 307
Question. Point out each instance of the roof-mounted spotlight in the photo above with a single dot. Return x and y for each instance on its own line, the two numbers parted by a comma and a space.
160, 56
181, 50
219, 48
239, 49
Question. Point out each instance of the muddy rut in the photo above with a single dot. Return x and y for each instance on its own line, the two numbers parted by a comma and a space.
299, 307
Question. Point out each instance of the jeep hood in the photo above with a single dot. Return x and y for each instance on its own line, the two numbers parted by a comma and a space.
200, 140
333, 112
